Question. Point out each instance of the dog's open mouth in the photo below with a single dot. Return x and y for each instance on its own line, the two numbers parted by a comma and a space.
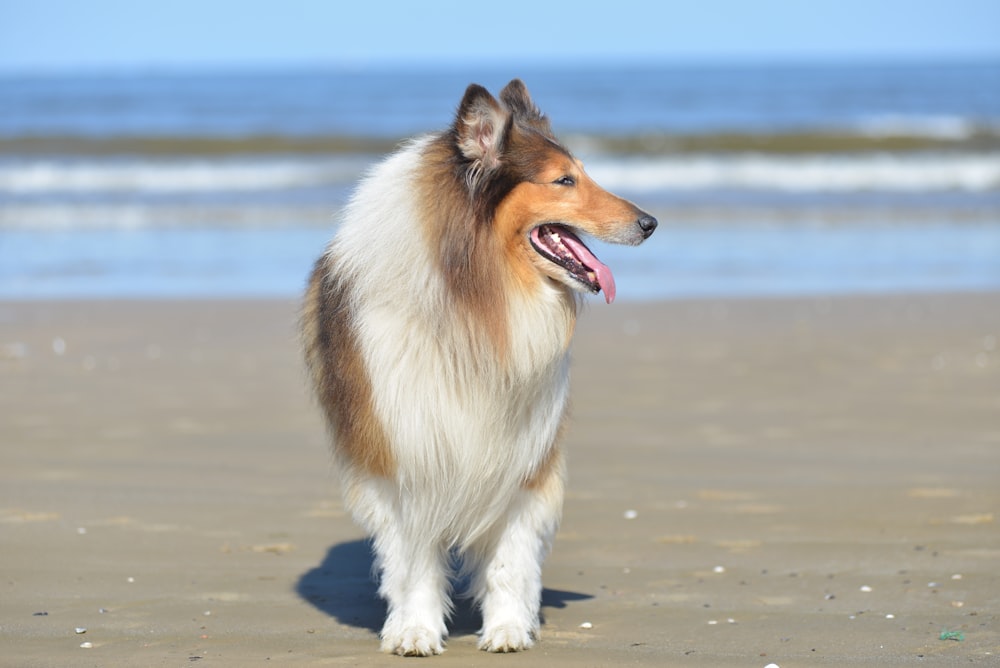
558, 244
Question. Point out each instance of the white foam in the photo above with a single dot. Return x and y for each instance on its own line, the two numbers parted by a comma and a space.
45, 177
934, 127
925, 172
816, 173
132, 216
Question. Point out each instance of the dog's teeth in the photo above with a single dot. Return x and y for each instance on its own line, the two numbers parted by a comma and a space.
592, 277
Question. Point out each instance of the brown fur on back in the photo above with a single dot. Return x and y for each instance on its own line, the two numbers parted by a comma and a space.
339, 375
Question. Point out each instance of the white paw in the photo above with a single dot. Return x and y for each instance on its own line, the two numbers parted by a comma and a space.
412, 641
510, 637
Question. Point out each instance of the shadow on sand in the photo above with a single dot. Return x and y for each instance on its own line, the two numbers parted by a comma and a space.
342, 586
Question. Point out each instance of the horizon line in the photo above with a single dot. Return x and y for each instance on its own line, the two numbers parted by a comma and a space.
443, 64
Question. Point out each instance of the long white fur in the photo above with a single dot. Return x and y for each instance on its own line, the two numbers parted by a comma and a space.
466, 428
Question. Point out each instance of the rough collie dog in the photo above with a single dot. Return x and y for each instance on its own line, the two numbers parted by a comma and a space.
437, 327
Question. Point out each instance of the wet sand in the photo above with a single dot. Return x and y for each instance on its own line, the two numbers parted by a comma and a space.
807, 482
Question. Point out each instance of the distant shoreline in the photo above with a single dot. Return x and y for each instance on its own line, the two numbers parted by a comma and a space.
642, 144
507, 65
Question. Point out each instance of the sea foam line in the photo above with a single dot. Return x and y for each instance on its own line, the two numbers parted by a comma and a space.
822, 173
972, 172
41, 177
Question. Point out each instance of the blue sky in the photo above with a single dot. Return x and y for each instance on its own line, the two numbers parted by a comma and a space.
72, 35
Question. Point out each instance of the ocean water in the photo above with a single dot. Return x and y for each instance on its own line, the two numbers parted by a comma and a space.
815, 179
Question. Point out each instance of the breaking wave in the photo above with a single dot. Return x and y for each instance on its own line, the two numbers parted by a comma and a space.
894, 173
822, 173
93, 177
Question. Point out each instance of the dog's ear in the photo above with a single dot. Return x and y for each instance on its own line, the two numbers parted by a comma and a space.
480, 126
516, 98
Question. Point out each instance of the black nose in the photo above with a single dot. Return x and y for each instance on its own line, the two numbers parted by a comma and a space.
647, 224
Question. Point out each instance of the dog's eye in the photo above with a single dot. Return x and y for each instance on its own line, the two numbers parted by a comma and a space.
565, 181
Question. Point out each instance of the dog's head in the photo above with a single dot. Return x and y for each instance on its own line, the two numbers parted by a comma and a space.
535, 194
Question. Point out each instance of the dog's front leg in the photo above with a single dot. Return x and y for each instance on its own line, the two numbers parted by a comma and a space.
414, 583
508, 581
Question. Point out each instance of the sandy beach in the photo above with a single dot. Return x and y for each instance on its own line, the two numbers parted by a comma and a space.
803, 482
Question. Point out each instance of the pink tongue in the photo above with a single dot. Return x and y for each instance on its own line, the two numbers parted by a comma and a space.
603, 272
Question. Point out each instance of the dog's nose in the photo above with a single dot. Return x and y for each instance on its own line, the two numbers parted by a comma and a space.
647, 224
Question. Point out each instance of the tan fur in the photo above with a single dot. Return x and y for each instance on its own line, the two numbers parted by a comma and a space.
586, 206
472, 267
339, 375
551, 466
